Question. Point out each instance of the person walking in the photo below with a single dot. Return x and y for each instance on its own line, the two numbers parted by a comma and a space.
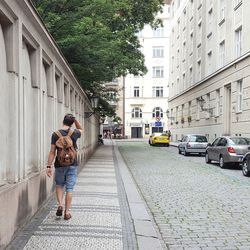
63, 150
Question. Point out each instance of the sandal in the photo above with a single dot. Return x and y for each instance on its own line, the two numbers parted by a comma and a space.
59, 211
67, 216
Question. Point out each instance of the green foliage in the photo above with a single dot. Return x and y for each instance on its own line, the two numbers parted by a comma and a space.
98, 37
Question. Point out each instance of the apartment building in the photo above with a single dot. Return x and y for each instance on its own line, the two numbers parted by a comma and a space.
146, 97
209, 84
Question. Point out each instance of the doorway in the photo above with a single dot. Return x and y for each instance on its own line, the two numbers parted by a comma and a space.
136, 132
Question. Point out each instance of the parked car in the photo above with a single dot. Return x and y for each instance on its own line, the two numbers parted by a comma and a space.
192, 143
159, 139
227, 149
246, 164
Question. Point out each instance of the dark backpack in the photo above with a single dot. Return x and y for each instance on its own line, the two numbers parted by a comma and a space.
66, 153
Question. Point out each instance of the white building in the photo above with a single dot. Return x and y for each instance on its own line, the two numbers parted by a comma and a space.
209, 81
146, 97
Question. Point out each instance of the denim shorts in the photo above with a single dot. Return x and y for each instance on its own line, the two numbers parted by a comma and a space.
66, 176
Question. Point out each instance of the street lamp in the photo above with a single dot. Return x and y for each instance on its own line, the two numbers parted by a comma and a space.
202, 103
94, 104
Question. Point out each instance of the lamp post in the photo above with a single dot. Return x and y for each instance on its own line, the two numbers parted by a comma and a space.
94, 104
202, 103
168, 116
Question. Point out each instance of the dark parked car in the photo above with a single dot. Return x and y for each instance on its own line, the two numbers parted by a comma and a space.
227, 149
192, 144
246, 164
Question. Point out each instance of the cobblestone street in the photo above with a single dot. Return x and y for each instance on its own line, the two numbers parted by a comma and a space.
195, 205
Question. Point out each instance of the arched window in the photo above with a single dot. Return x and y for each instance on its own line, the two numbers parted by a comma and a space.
136, 113
157, 112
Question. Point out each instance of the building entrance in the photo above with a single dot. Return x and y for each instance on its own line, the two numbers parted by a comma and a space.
136, 132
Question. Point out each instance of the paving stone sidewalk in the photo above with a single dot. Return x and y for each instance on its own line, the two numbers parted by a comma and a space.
108, 212
96, 210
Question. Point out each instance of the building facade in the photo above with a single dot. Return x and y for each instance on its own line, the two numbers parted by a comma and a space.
146, 97
209, 84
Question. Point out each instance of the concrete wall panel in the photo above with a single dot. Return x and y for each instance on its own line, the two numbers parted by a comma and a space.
32, 106
3, 113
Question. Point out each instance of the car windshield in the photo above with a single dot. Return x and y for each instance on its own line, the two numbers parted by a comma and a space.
240, 141
198, 138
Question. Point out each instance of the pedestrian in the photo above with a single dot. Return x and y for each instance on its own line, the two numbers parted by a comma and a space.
108, 135
63, 150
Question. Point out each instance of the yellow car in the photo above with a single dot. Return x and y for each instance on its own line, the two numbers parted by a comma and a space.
159, 139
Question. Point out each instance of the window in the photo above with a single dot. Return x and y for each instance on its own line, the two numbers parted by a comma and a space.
157, 112
136, 91
209, 62
178, 28
199, 32
210, 20
178, 59
72, 99
207, 106
239, 95
184, 19
157, 91
184, 81
189, 108
191, 9
136, 113
76, 103
237, 2
222, 54
197, 109
176, 114
217, 103
190, 76
66, 94
158, 51
182, 110
222, 10
199, 70
158, 72
159, 32
191, 42
172, 63
184, 51
238, 42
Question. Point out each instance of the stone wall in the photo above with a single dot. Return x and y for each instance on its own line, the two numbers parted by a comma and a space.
37, 89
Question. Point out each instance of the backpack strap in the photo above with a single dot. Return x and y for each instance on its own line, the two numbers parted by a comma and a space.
70, 133
58, 133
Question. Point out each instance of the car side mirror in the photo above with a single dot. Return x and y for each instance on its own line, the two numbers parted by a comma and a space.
179, 140
209, 145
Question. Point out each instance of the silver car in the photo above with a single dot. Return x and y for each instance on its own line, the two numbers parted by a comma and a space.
227, 149
193, 144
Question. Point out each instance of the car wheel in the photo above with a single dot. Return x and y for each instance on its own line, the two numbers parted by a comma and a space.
167, 145
185, 152
245, 169
179, 151
207, 158
221, 162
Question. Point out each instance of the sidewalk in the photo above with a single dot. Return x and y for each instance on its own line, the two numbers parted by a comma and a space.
108, 212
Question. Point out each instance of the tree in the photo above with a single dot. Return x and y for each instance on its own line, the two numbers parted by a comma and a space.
98, 37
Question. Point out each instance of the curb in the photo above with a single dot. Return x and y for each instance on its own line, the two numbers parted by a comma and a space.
147, 235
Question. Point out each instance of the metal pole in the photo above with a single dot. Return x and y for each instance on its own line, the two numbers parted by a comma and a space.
123, 106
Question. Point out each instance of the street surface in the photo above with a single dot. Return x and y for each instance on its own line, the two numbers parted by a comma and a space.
195, 205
